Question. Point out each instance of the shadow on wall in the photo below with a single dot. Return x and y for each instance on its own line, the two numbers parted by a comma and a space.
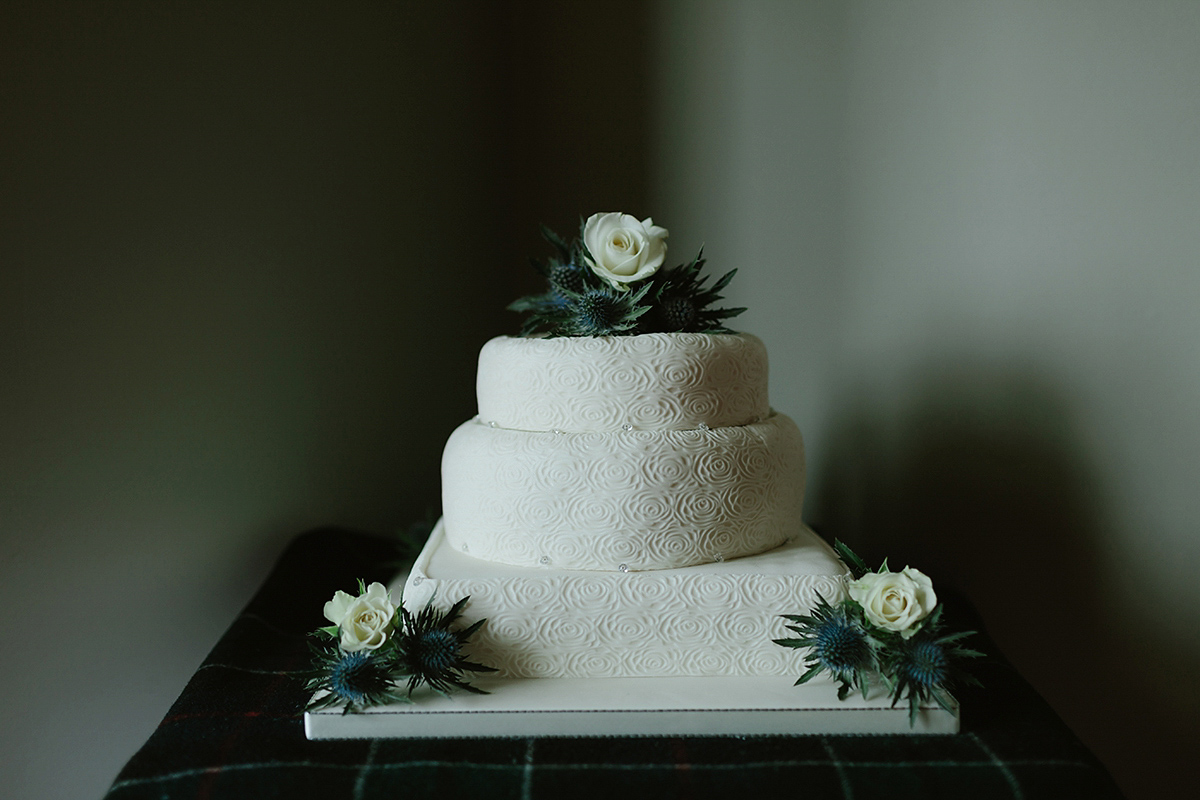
981, 480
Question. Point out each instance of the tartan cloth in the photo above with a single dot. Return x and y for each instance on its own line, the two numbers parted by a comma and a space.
237, 731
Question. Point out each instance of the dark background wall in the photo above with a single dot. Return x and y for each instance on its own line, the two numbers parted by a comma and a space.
248, 254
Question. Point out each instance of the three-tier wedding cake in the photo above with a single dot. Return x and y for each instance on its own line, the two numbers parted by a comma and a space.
625, 503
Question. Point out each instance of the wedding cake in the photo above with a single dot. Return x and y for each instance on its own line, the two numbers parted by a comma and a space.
626, 503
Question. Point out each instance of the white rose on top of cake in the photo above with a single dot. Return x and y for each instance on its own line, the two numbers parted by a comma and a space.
626, 503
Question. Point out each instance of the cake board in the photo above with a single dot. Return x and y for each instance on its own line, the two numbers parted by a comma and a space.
682, 706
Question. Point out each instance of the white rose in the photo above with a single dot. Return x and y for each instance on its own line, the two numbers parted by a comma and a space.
623, 250
364, 621
895, 601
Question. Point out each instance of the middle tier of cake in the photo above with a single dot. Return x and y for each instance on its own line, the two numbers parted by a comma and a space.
622, 501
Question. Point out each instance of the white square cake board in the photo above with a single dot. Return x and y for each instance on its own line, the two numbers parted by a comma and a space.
520, 707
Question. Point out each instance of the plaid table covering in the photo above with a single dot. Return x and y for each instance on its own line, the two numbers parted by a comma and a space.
237, 730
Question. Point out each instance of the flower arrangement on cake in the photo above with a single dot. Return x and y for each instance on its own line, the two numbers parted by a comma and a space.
888, 628
376, 647
610, 282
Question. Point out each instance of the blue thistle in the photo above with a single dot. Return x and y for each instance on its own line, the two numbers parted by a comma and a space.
601, 312
436, 650
596, 312
357, 675
840, 646
565, 276
431, 650
678, 313
682, 302
357, 680
922, 668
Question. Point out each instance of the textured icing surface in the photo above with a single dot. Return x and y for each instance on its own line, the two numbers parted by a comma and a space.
716, 619
656, 381
643, 499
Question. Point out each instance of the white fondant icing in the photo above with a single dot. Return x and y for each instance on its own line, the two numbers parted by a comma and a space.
643, 499
656, 381
712, 619
626, 506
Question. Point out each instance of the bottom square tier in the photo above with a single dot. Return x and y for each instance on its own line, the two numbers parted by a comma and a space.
708, 620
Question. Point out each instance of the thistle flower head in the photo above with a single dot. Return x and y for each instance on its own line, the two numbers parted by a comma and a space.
436, 650
355, 680
678, 312
839, 645
566, 276
597, 312
431, 649
924, 664
923, 668
356, 676
683, 303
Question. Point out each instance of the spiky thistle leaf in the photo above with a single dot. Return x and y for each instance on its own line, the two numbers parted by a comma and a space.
857, 566
682, 303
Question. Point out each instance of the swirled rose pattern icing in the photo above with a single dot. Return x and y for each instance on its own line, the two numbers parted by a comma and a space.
601, 468
663, 623
657, 381
647, 499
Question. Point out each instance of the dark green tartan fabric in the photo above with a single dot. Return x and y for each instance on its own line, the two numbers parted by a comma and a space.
237, 731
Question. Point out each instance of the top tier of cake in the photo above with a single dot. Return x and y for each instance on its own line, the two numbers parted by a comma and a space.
657, 381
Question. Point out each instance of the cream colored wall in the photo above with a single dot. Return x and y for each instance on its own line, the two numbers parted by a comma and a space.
970, 235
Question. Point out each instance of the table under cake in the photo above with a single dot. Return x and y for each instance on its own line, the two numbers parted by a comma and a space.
236, 730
